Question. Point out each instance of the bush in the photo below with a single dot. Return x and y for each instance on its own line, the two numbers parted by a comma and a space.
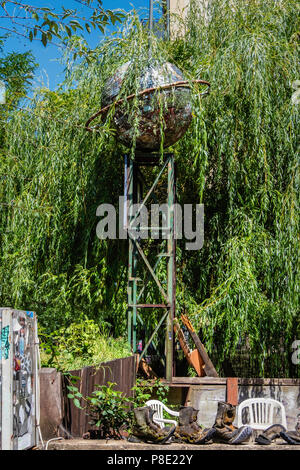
79, 345
108, 409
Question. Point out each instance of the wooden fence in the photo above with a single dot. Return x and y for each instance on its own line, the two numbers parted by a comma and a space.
120, 371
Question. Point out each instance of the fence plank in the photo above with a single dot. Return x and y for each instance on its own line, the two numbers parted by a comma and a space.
121, 371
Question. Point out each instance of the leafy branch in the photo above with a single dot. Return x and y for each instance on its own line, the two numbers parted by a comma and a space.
45, 24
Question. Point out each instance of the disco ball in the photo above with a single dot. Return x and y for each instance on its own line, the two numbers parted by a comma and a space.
163, 110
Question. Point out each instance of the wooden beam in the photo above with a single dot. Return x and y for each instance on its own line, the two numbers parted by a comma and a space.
146, 369
197, 362
209, 368
255, 381
193, 357
180, 336
188, 381
269, 381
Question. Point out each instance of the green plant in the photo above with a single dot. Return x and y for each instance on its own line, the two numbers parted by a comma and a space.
144, 390
191, 372
80, 344
37, 22
108, 409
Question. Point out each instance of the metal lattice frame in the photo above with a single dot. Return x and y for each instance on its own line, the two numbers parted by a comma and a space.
134, 182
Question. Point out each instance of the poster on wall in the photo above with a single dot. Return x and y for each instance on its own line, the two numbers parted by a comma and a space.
18, 374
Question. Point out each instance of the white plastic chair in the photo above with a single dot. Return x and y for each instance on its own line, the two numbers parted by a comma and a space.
158, 416
261, 412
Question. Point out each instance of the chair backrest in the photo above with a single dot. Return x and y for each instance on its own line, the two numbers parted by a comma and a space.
156, 405
261, 412
159, 415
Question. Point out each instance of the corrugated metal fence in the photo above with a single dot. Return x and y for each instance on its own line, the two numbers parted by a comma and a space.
120, 371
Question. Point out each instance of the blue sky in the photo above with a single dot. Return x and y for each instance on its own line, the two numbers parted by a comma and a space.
50, 71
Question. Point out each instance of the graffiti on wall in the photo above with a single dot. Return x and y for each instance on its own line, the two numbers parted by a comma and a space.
4, 349
23, 396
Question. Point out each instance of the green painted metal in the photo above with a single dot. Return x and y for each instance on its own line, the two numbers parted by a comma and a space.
165, 296
132, 261
149, 192
171, 271
148, 276
153, 334
138, 261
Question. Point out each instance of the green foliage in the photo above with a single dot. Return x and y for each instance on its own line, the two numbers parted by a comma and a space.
239, 157
144, 390
107, 408
16, 70
16, 73
80, 344
191, 372
247, 271
45, 24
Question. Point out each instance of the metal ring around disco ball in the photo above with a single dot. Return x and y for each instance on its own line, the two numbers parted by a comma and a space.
182, 83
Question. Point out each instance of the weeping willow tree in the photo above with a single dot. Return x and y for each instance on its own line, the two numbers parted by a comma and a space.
239, 158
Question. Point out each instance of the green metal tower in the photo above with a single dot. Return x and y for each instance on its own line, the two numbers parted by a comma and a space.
139, 263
